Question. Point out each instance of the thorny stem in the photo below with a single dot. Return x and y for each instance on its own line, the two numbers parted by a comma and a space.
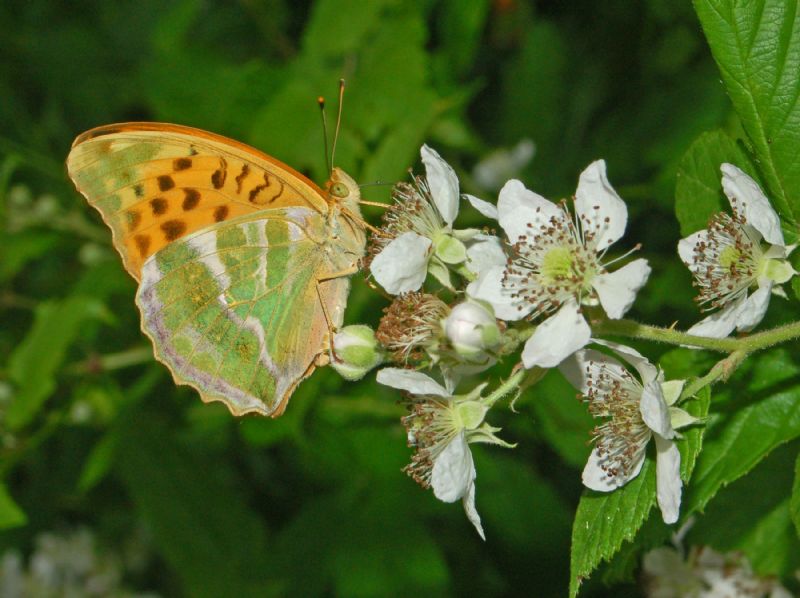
722, 370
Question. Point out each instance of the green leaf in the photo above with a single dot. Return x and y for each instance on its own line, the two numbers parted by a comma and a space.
461, 24
693, 436
753, 515
99, 461
604, 521
562, 419
762, 416
698, 187
794, 505
200, 521
10, 513
756, 45
35, 362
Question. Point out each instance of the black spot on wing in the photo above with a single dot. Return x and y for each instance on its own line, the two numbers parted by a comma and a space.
191, 197
159, 205
173, 229
165, 182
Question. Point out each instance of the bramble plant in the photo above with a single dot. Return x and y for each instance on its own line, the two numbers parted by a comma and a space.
557, 290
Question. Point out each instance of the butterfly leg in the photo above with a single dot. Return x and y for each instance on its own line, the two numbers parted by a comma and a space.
323, 358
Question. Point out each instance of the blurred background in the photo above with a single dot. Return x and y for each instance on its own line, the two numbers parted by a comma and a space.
117, 482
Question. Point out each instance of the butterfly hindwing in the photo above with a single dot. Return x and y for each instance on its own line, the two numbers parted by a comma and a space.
155, 183
235, 309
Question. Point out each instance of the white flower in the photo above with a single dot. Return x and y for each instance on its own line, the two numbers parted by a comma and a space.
738, 261
557, 264
440, 427
705, 573
417, 235
636, 410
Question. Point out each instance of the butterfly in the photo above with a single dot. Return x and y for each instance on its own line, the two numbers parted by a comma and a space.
242, 262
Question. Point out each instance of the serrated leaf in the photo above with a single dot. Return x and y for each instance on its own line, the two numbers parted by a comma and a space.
794, 505
34, 363
753, 515
604, 521
693, 436
10, 513
741, 437
756, 45
698, 186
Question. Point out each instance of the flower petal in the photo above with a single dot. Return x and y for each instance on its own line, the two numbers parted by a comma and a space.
489, 287
668, 479
599, 207
655, 411
753, 308
472, 513
586, 364
617, 290
558, 337
647, 371
686, 249
484, 207
402, 265
412, 381
719, 324
595, 477
453, 470
747, 197
517, 207
483, 252
443, 183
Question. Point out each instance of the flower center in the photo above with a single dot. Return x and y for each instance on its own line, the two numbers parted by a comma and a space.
556, 265
548, 268
727, 261
615, 394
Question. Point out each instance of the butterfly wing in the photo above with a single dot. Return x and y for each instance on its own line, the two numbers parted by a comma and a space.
235, 310
155, 183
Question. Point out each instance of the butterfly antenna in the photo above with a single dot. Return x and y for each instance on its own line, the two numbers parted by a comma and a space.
321, 102
338, 120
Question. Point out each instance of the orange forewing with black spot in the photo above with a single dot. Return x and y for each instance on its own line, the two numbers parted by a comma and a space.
154, 183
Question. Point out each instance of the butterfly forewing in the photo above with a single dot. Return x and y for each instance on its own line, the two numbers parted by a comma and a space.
155, 183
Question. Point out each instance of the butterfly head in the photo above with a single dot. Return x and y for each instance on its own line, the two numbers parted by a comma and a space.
343, 190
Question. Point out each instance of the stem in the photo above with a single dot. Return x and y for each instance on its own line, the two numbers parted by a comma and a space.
747, 344
506, 387
721, 371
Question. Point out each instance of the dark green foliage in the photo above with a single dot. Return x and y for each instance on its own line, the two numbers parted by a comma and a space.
94, 433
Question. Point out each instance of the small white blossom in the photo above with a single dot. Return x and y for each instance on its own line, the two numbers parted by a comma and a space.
417, 235
440, 427
739, 260
635, 410
705, 573
557, 265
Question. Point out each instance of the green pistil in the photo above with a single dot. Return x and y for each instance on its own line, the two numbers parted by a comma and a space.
730, 256
557, 265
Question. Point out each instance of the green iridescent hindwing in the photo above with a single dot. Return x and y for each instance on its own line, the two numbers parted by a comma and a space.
235, 310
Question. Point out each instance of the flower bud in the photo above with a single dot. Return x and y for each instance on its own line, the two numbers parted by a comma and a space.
472, 329
355, 351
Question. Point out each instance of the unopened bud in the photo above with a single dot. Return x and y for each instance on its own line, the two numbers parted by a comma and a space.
355, 351
472, 329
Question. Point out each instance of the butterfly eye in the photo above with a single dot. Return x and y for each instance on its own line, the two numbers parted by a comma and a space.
339, 190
